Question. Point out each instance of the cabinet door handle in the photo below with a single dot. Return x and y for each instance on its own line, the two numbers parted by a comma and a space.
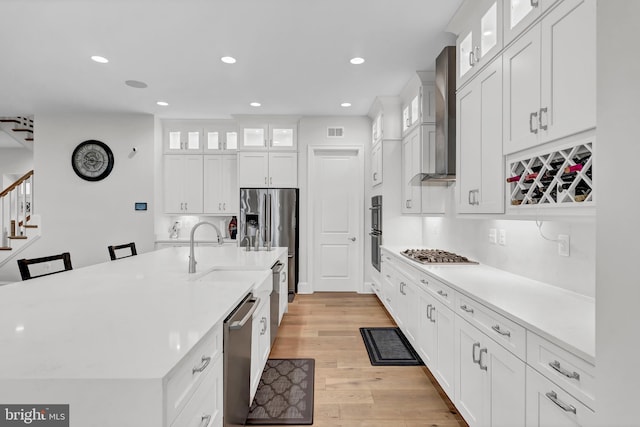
205, 362
181, 206
433, 308
402, 285
205, 420
270, 180
531, 117
500, 331
375, 176
426, 282
265, 180
219, 206
553, 396
476, 55
263, 320
224, 206
429, 311
469, 197
186, 206
473, 352
443, 293
483, 367
543, 127
556, 365
472, 61
466, 309
534, 3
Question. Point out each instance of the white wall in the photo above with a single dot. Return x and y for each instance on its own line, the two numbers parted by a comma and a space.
14, 161
84, 217
618, 227
526, 253
313, 131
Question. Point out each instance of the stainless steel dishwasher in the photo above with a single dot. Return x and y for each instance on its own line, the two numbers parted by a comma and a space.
278, 271
237, 362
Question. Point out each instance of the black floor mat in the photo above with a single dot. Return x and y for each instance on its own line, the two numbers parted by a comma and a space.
389, 347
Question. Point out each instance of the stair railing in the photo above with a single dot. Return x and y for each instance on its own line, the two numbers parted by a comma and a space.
16, 208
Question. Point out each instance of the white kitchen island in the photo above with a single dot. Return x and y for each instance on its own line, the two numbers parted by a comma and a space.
116, 340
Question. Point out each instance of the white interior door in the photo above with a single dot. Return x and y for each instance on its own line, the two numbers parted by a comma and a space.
337, 205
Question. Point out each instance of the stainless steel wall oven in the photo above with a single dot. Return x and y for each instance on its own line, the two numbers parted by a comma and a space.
376, 230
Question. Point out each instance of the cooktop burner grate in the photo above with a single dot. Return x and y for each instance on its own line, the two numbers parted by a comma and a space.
435, 256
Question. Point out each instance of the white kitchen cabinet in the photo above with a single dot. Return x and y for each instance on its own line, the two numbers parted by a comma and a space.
220, 137
221, 184
548, 405
490, 381
418, 101
435, 341
183, 184
268, 169
407, 308
480, 40
417, 147
519, 14
269, 134
284, 287
376, 164
260, 340
182, 137
480, 183
376, 129
549, 78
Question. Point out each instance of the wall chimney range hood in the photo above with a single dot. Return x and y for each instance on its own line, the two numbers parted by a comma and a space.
441, 166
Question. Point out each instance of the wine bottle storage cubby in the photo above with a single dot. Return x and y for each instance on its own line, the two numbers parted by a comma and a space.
563, 176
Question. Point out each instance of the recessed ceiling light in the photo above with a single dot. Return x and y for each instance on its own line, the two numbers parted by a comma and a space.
162, 103
357, 61
100, 59
255, 104
228, 59
136, 84
345, 104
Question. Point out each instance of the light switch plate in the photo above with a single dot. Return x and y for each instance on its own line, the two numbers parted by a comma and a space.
564, 245
502, 237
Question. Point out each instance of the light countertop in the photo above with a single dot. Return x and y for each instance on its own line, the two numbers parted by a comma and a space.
133, 318
561, 316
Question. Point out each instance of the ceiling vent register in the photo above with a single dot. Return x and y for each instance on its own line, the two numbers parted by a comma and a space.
335, 132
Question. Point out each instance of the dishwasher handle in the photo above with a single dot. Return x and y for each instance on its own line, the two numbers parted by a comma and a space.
238, 324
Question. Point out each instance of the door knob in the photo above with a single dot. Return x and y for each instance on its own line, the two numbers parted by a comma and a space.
353, 239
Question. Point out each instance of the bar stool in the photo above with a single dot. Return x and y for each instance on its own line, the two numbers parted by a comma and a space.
113, 249
23, 264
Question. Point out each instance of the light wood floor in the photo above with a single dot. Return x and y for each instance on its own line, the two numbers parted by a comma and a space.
349, 392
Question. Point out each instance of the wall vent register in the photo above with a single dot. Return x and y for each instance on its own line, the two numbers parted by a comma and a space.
435, 256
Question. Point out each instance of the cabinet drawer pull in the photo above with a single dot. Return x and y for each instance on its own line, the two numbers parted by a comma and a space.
483, 367
473, 352
532, 116
443, 293
534, 3
204, 422
542, 110
388, 300
466, 309
556, 365
500, 331
426, 282
205, 362
553, 396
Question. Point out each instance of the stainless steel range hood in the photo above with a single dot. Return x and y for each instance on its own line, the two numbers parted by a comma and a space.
442, 167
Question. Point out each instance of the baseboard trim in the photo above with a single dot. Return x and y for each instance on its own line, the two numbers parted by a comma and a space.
304, 288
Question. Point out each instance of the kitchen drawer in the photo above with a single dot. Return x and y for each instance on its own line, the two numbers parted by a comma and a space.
563, 368
504, 331
439, 290
549, 405
188, 374
204, 408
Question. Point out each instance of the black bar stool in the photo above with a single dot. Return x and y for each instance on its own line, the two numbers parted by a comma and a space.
23, 264
113, 249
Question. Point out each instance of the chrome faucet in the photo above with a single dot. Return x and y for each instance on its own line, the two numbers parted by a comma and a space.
192, 258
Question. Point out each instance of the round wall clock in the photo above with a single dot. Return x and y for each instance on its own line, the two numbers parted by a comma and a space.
92, 160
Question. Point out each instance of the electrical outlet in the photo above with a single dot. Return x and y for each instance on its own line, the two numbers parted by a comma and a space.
564, 244
502, 238
493, 236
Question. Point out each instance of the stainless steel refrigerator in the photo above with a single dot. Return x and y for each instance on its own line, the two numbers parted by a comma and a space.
269, 218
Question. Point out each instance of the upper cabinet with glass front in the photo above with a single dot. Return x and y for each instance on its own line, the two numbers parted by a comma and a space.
418, 101
481, 39
182, 137
519, 14
268, 134
220, 136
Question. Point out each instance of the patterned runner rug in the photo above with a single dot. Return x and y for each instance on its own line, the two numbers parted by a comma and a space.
285, 394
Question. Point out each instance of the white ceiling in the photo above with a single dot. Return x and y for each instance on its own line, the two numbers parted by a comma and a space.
293, 55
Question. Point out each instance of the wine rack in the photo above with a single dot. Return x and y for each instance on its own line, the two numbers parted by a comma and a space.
561, 177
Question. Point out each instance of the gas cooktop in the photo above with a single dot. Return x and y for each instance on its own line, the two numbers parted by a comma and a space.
435, 256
